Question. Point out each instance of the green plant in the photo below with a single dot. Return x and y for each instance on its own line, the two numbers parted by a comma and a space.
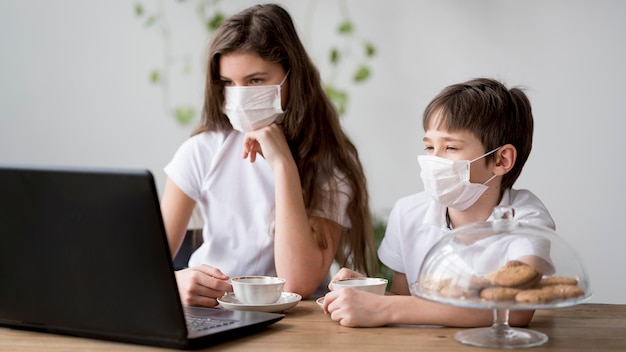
211, 17
338, 57
379, 232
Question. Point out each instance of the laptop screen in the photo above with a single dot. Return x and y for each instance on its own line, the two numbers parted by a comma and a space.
85, 250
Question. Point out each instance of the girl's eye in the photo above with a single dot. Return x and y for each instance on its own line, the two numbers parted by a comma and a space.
227, 83
256, 81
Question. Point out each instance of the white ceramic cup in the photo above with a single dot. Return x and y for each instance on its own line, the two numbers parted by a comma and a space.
368, 284
257, 289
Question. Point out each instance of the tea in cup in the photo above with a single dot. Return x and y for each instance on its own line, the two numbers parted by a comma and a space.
368, 284
257, 289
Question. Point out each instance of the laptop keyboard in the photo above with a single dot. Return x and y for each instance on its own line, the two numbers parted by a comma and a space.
197, 323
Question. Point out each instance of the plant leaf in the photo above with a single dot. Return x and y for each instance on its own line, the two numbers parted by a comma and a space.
215, 22
345, 27
155, 76
339, 97
334, 56
370, 50
151, 21
361, 74
184, 114
138, 9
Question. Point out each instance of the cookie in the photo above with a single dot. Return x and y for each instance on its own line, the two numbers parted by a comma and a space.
533, 296
557, 280
477, 283
452, 290
564, 291
549, 293
432, 284
499, 293
515, 274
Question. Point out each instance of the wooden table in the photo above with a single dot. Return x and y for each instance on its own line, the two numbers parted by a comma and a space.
586, 327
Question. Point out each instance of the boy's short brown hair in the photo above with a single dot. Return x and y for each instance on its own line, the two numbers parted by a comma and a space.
493, 113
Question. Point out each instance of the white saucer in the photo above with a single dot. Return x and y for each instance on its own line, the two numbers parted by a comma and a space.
320, 302
286, 301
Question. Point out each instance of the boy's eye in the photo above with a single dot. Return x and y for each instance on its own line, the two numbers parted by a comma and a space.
451, 148
428, 148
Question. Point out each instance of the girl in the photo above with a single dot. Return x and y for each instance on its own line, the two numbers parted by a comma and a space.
279, 184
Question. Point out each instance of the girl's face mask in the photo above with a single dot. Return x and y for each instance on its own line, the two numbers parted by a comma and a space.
448, 181
250, 108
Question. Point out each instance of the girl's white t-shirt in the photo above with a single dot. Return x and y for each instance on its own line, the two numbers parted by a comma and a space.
417, 222
236, 199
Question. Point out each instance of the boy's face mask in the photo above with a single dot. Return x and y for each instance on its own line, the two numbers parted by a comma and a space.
250, 108
448, 181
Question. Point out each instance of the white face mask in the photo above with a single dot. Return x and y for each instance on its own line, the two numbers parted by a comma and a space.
250, 108
448, 181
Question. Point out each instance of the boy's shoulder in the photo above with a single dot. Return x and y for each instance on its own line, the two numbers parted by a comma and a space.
512, 196
528, 207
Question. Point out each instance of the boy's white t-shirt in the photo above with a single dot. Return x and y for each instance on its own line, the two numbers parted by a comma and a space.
236, 199
417, 222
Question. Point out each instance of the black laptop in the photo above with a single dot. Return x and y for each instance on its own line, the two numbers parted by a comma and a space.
83, 252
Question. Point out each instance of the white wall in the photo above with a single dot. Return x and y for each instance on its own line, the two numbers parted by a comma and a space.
74, 90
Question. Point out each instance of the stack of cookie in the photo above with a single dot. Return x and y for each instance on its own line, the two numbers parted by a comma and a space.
515, 281
510, 280
520, 282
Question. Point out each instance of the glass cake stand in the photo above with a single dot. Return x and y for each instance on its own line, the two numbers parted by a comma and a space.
502, 265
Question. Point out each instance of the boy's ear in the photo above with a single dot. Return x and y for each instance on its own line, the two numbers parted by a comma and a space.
505, 159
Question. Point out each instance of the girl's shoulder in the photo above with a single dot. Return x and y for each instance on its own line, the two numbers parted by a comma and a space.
210, 140
212, 137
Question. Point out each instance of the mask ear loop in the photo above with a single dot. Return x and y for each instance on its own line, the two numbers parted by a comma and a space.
484, 155
281, 117
489, 180
285, 78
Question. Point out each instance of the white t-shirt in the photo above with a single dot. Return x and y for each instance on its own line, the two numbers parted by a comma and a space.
236, 199
417, 222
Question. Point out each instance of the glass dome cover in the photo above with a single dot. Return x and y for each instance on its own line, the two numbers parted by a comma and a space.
478, 258
502, 265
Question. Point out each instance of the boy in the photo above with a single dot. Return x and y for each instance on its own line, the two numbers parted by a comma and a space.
478, 131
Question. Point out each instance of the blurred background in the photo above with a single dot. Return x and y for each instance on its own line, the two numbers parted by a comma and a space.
120, 84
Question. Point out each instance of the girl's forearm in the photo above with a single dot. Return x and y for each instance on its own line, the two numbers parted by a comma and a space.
298, 257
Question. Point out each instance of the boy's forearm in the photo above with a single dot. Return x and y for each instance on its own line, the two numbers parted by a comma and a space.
414, 310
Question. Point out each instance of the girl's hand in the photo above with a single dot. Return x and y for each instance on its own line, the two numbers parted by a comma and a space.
202, 285
269, 142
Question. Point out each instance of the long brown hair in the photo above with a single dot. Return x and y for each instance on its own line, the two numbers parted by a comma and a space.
319, 146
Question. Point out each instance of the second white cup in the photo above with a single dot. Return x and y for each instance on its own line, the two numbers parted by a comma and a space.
368, 284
